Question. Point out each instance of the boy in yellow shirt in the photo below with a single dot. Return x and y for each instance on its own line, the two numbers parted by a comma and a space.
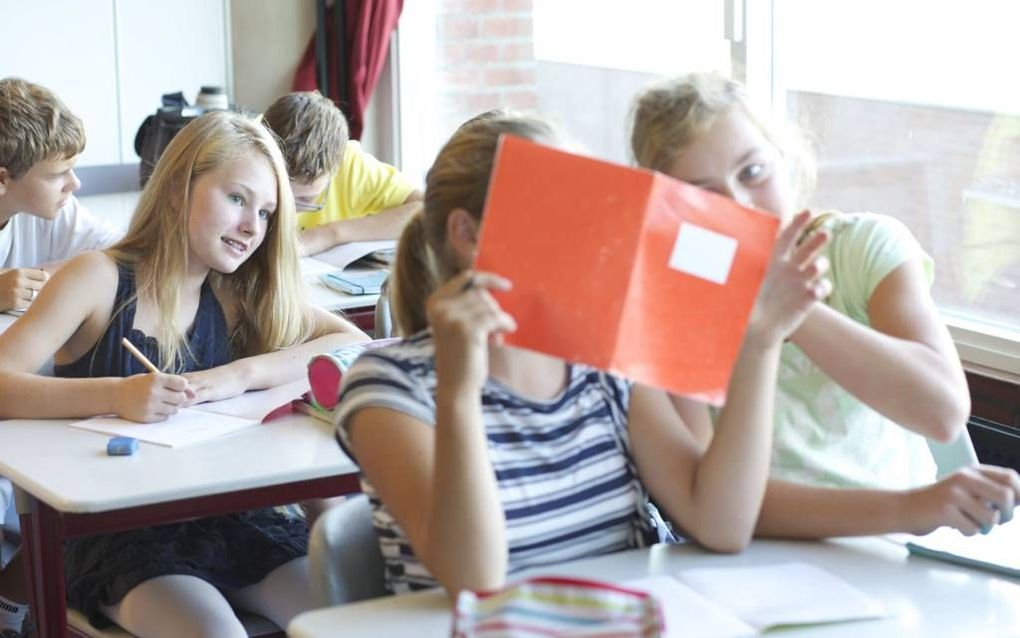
342, 193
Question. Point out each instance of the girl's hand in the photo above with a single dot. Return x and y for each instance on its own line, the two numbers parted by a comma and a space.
216, 384
794, 281
463, 316
151, 397
971, 500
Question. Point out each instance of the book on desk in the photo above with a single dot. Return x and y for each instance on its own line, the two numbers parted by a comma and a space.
997, 551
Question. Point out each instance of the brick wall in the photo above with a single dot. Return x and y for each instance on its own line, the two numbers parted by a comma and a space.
486, 58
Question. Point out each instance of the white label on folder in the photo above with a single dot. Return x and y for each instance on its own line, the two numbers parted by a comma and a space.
703, 253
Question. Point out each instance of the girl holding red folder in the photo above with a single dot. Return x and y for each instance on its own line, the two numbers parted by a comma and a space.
481, 460
869, 373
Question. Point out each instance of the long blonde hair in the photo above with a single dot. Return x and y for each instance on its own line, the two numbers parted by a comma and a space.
267, 287
667, 116
459, 178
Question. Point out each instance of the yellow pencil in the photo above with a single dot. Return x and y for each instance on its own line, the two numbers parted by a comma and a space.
142, 359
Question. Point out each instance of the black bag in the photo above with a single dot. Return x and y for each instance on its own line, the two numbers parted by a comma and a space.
157, 130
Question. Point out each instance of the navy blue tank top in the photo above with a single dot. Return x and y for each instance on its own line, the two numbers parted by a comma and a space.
208, 338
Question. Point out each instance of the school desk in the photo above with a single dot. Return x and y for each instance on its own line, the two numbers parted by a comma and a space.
924, 597
68, 487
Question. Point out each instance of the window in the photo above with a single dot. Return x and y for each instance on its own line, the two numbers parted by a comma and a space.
911, 104
914, 114
577, 62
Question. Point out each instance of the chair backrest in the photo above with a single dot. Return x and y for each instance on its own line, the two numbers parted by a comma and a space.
950, 457
383, 320
343, 554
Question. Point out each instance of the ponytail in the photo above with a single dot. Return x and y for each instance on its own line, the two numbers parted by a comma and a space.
413, 279
459, 178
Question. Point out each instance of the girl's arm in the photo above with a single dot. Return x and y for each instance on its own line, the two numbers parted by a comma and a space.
69, 315
905, 366
715, 493
274, 368
714, 496
970, 499
439, 483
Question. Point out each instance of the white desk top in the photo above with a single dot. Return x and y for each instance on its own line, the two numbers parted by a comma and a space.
69, 469
925, 598
6, 320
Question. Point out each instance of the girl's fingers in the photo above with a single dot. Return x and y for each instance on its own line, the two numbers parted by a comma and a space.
822, 288
470, 280
815, 270
963, 523
992, 492
791, 234
979, 511
809, 251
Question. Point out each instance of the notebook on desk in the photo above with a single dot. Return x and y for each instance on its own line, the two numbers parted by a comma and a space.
998, 551
746, 601
202, 422
355, 282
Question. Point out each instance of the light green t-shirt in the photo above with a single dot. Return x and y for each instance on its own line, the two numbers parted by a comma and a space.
823, 435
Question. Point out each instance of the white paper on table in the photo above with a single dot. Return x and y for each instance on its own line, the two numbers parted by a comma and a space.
768, 596
189, 425
256, 405
344, 255
688, 614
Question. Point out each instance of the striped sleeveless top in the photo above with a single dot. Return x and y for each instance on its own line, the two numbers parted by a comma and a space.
566, 477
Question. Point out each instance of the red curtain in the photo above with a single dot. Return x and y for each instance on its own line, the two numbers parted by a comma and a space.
368, 26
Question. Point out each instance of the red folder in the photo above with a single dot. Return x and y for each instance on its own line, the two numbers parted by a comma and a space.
623, 269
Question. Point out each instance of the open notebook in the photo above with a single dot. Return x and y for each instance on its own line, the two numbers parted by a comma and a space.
996, 551
202, 422
745, 601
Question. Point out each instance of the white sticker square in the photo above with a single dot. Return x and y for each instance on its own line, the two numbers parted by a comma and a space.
703, 253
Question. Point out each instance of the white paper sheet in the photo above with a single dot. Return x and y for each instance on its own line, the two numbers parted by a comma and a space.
256, 405
188, 426
688, 614
768, 596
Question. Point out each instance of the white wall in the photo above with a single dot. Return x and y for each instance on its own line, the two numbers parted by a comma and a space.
111, 60
269, 37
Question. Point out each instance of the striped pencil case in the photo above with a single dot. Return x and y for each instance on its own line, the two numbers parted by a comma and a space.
544, 607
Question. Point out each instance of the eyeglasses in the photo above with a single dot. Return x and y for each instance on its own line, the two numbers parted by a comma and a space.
303, 206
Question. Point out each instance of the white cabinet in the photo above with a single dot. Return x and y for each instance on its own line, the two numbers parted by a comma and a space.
111, 60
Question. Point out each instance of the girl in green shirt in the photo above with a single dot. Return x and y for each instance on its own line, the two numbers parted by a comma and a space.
870, 374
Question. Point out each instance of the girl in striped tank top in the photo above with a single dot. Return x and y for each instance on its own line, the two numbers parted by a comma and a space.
481, 460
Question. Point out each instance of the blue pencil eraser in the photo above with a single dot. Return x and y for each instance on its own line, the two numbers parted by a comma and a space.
122, 446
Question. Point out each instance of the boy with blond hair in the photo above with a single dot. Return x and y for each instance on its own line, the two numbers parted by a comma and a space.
41, 224
342, 193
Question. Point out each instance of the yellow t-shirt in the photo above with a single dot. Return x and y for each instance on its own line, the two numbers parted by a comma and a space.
361, 186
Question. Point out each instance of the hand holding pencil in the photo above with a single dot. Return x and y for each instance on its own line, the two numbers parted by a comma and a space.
150, 397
